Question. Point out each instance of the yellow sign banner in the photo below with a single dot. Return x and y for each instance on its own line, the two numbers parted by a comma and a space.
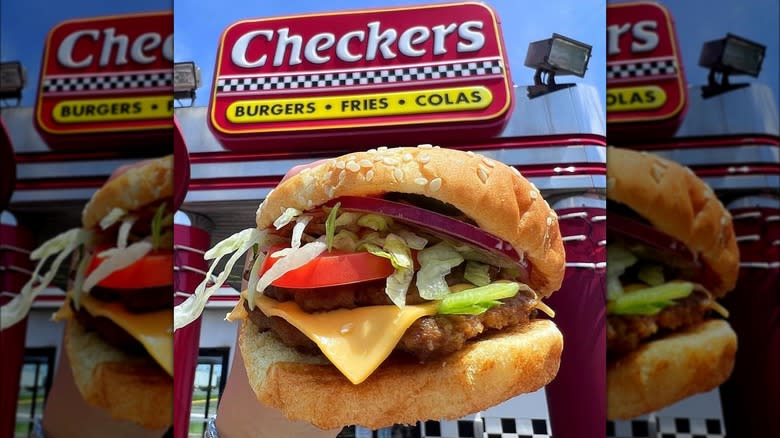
113, 109
648, 97
359, 105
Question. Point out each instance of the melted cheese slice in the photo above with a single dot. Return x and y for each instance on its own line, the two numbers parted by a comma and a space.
154, 330
356, 340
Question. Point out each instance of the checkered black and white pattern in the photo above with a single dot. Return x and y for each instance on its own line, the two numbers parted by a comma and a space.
127, 81
487, 427
642, 69
671, 427
516, 428
667, 427
645, 427
365, 77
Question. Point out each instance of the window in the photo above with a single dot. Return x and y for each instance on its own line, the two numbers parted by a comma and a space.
35, 381
210, 377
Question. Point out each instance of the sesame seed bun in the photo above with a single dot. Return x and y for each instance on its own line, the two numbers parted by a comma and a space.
494, 195
484, 373
668, 370
678, 203
131, 188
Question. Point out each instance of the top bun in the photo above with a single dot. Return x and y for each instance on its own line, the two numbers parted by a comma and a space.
131, 188
678, 203
492, 194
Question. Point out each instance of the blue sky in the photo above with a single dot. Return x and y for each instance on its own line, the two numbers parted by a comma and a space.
198, 24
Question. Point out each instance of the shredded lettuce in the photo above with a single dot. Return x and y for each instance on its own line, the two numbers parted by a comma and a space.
286, 217
346, 240
237, 244
157, 226
330, 225
372, 238
253, 273
649, 301
477, 273
347, 218
293, 260
116, 262
112, 217
436, 263
651, 274
413, 240
300, 226
124, 231
478, 300
619, 259
376, 222
396, 250
61, 245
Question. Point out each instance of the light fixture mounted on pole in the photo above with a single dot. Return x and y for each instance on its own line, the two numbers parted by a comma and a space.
556, 56
186, 79
730, 56
13, 78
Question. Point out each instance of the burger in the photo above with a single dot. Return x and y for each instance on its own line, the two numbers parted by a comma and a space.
393, 286
118, 334
671, 253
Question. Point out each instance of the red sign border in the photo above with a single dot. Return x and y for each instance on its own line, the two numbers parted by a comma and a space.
38, 103
676, 53
501, 53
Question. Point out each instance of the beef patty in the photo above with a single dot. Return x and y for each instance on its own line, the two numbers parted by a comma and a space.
427, 338
626, 332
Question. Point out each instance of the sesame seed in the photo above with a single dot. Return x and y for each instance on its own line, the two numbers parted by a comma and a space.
425, 146
420, 181
369, 175
533, 194
549, 221
306, 170
390, 161
351, 158
435, 184
330, 191
340, 164
469, 153
488, 162
329, 174
483, 176
724, 220
371, 151
353, 166
342, 175
398, 174
424, 158
517, 172
366, 163
437, 147
346, 328
407, 157
309, 204
381, 148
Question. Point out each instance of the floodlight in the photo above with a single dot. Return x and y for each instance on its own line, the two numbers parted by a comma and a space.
13, 78
730, 56
556, 56
186, 79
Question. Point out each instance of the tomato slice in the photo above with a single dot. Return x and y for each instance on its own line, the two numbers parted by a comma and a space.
331, 269
153, 269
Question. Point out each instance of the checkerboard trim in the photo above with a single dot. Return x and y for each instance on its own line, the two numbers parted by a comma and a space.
642, 69
363, 77
667, 427
125, 81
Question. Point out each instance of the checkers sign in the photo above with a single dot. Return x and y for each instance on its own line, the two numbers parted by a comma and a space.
438, 66
106, 77
645, 78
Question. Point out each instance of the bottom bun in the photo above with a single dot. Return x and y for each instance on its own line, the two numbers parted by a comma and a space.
484, 373
670, 369
129, 387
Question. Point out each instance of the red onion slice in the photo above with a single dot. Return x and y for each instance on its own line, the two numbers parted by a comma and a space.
437, 223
